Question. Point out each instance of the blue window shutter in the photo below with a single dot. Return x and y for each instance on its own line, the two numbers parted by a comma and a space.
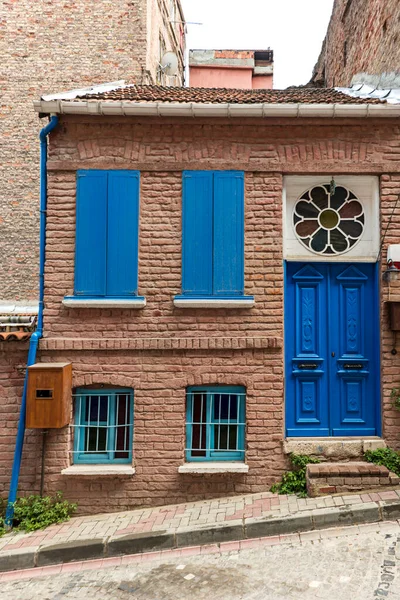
123, 233
91, 233
228, 233
197, 242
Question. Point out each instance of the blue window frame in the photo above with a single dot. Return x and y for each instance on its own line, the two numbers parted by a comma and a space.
103, 428
213, 234
215, 423
107, 230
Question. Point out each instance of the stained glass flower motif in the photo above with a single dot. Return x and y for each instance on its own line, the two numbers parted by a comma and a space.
328, 223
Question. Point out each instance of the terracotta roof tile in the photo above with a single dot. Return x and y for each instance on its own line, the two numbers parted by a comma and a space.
155, 93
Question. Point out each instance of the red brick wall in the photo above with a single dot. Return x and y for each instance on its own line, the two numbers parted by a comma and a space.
363, 37
390, 215
13, 357
160, 350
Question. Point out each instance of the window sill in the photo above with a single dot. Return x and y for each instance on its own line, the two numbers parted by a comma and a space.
213, 467
99, 470
239, 302
77, 302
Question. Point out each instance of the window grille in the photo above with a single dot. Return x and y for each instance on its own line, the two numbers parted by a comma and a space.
103, 427
215, 426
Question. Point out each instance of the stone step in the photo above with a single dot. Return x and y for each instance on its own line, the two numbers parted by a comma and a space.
339, 478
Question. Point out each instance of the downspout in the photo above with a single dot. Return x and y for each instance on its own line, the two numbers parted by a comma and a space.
35, 337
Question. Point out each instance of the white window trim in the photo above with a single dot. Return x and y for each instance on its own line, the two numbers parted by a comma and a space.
134, 303
213, 303
213, 467
99, 470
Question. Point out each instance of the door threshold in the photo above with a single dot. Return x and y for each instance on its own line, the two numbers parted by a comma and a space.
336, 448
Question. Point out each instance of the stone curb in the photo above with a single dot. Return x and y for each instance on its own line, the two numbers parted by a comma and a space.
97, 548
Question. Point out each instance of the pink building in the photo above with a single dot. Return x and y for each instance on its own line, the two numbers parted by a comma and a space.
234, 69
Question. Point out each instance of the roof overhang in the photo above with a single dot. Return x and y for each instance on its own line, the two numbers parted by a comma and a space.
194, 109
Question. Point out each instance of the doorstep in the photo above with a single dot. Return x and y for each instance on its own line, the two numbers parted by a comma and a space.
340, 448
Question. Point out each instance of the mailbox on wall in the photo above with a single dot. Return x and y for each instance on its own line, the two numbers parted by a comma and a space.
48, 401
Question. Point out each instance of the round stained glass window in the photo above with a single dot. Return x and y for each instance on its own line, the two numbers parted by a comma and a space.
328, 223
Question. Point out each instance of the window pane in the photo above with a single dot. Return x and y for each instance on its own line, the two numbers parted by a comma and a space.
96, 439
96, 409
338, 197
225, 437
199, 427
123, 413
320, 197
225, 407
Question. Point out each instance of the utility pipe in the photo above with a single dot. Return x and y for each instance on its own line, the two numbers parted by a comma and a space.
35, 337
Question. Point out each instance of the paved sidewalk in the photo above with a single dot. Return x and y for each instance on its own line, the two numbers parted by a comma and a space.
195, 523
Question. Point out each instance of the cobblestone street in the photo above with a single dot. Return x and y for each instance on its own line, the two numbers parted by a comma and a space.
357, 563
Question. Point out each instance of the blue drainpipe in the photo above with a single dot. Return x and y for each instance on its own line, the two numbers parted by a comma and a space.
35, 337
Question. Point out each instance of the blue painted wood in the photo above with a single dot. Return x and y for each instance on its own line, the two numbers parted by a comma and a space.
354, 339
228, 272
197, 228
123, 233
305, 344
331, 336
91, 233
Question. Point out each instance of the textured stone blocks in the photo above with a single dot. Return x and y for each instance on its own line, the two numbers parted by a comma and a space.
341, 478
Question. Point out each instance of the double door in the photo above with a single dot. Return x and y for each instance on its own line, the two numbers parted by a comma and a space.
331, 350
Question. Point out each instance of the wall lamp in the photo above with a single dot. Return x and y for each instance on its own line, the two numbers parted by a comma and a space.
391, 273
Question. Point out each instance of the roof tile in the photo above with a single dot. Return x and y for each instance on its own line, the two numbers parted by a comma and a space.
155, 93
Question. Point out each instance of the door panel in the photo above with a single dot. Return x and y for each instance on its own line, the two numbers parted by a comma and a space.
331, 336
354, 339
306, 351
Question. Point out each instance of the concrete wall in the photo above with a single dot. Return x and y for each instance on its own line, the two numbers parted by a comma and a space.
48, 47
262, 82
161, 349
363, 37
220, 77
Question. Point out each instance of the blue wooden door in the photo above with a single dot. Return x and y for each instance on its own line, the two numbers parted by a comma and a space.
332, 350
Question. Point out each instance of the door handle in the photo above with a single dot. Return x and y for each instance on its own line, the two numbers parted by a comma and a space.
333, 355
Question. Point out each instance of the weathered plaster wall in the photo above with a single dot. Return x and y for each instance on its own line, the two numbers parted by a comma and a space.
220, 77
363, 37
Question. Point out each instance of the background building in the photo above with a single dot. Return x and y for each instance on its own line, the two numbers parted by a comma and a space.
362, 44
49, 46
237, 69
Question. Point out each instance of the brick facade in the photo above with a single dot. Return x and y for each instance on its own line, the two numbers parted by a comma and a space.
362, 38
54, 46
160, 350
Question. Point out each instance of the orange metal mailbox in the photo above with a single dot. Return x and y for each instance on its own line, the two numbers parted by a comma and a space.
48, 399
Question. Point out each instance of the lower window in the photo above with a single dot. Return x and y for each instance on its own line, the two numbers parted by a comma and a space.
215, 423
103, 428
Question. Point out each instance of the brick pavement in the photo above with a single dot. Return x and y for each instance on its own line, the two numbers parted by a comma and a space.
192, 515
106, 569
